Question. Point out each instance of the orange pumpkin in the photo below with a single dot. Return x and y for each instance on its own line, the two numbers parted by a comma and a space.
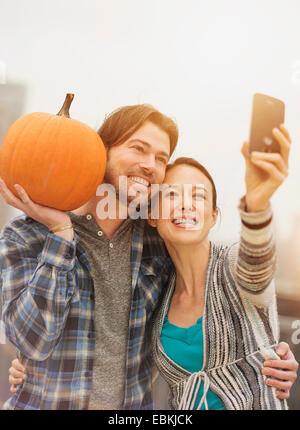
57, 160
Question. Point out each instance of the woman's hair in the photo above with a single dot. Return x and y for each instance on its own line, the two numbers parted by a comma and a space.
123, 122
195, 163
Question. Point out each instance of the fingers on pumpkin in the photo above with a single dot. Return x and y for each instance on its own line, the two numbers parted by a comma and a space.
21, 192
7, 194
10, 198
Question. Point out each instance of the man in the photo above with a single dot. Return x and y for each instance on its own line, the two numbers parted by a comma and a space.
79, 292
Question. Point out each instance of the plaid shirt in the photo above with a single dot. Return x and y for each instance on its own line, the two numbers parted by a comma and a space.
48, 311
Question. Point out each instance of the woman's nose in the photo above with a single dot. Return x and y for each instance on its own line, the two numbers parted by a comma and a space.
187, 203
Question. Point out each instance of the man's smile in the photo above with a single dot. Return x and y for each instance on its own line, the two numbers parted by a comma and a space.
139, 180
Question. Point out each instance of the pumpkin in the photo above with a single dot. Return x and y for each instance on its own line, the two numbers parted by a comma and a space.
59, 161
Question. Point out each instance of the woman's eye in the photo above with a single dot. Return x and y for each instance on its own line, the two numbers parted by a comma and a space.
200, 196
171, 194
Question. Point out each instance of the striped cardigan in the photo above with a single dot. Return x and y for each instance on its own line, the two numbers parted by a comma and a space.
240, 325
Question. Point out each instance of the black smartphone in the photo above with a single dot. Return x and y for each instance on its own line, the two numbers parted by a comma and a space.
267, 113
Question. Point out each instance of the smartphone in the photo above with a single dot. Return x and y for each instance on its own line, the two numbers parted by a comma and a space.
267, 113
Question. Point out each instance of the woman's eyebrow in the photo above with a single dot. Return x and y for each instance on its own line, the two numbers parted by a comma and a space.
196, 187
167, 186
200, 187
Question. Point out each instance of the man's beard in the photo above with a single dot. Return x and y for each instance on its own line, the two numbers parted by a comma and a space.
113, 179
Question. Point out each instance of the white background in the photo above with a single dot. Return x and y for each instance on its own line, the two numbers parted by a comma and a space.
198, 61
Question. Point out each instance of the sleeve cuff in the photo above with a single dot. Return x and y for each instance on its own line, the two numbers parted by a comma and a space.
59, 252
255, 219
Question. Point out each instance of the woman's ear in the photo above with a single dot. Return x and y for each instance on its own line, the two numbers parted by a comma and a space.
215, 216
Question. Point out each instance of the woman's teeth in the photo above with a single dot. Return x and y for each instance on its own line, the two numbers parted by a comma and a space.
139, 180
184, 221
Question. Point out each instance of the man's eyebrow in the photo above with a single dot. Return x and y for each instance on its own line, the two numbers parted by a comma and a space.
148, 146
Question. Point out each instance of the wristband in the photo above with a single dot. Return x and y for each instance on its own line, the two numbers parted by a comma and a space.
55, 230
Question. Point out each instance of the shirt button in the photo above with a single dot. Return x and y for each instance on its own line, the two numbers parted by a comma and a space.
99, 233
111, 245
89, 217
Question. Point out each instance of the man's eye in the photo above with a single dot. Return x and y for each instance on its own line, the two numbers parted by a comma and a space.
162, 160
138, 148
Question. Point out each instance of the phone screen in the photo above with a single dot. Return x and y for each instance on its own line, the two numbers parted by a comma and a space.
267, 113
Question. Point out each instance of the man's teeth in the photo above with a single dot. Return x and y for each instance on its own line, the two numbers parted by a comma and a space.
184, 221
139, 180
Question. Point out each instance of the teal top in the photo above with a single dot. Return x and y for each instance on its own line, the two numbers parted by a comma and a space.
185, 347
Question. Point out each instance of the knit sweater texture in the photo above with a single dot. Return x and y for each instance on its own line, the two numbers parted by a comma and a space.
240, 324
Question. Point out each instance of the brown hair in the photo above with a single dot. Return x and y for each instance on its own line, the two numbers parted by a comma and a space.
195, 163
123, 122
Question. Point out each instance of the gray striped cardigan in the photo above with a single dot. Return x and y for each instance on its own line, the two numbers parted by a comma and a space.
240, 324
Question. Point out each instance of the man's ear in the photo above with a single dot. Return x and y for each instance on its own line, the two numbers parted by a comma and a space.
152, 222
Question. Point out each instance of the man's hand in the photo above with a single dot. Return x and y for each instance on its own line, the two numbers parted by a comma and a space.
265, 172
17, 375
284, 371
51, 218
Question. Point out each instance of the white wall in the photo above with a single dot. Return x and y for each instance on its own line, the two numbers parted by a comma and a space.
198, 61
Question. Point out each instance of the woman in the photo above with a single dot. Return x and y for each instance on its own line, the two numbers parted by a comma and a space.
218, 322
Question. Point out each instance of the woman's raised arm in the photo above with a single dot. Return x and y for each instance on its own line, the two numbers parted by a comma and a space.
265, 172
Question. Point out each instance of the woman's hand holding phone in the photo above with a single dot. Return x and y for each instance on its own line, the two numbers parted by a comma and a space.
265, 172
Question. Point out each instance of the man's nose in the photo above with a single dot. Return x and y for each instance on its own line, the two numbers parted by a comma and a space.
148, 163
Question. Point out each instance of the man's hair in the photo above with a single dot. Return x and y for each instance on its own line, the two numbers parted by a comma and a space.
123, 122
195, 163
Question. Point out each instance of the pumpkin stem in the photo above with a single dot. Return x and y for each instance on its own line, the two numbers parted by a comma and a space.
66, 106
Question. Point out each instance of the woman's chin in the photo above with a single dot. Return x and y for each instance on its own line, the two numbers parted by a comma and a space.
186, 227
184, 235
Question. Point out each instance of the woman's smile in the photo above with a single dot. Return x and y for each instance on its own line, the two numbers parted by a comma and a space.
187, 222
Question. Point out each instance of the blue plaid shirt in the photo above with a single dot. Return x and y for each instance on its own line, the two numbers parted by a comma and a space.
48, 311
